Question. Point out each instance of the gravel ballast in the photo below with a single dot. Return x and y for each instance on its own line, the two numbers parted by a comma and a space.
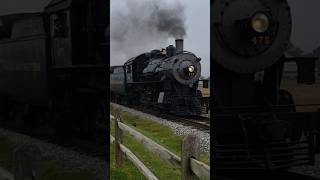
68, 159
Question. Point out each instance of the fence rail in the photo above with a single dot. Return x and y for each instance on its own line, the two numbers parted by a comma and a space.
191, 167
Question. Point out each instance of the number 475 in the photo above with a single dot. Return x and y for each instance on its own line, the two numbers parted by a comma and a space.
266, 40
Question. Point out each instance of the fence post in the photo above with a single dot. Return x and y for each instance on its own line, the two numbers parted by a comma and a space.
118, 139
190, 149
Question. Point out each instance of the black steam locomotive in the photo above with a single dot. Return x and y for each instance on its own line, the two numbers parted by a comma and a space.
255, 123
53, 68
166, 79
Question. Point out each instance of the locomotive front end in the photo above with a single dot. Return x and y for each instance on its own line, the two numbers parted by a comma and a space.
250, 36
186, 68
251, 133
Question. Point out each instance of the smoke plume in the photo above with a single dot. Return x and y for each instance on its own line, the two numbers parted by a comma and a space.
138, 26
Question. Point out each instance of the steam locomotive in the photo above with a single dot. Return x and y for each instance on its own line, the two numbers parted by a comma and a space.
53, 66
166, 79
256, 126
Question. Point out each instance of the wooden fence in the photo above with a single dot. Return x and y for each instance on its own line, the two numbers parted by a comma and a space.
191, 167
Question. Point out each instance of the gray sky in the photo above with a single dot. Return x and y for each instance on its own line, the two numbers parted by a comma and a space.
197, 39
198, 31
306, 23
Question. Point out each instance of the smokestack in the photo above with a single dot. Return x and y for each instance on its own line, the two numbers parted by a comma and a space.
179, 46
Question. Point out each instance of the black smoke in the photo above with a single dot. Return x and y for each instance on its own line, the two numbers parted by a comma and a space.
170, 21
138, 26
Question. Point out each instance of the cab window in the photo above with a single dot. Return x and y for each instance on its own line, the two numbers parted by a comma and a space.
60, 25
128, 69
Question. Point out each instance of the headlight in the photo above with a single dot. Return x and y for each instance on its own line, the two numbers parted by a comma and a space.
260, 23
187, 69
191, 69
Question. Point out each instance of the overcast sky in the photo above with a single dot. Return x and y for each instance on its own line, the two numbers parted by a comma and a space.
306, 23
198, 31
197, 23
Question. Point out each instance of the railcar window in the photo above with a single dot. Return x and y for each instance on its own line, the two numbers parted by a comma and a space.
60, 27
117, 71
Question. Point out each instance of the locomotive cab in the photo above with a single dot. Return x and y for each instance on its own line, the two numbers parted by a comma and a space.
77, 32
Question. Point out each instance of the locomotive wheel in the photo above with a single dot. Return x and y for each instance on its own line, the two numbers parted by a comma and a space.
81, 116
100, 135
285, 98
94, 116
58, 116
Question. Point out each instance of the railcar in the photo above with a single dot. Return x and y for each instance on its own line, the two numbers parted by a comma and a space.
53, 68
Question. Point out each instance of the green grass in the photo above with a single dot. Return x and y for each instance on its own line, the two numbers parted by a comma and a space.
51, 170
158, 133
127, 171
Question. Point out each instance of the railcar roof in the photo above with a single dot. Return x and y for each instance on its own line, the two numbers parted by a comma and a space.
17, 16
134, 58
7, 21
61, 4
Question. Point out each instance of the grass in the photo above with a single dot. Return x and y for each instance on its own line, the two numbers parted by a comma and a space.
158, 133
51, 170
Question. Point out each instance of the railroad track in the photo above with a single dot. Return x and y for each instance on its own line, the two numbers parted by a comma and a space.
266, 176
200, 122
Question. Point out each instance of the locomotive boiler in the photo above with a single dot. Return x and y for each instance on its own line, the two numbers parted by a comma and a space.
165, 79
256, 126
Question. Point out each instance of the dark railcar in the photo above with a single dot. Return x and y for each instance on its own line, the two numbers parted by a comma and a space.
23, 57
55, 63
